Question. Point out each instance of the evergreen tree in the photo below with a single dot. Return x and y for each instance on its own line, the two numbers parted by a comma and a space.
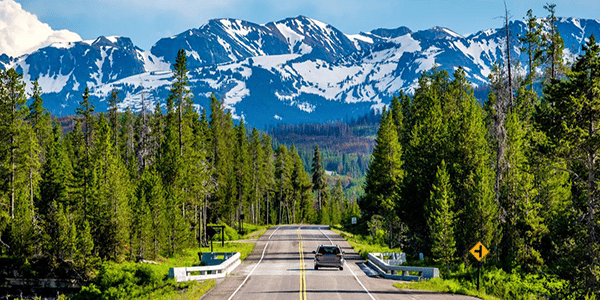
86, 120
302, 198
39, 119
385, 175
532, 43
113, 117
553, 44
257, 170
241, 169
12, 116
338, 199
112, 192
570, 121
283, 186
127, 142
142, 219
54, 196
441, 218
318, 177
269, 183
180, 91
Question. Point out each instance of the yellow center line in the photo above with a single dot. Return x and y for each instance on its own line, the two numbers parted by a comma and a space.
302, 269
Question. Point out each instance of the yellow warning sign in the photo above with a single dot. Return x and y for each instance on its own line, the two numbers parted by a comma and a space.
479, 251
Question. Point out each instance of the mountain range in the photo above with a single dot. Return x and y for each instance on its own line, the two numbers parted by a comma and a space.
297, 70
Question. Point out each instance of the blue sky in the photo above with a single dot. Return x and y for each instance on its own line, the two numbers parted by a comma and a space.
146, 21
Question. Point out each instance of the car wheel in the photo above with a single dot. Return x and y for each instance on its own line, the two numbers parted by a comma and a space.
341, 268
316, 267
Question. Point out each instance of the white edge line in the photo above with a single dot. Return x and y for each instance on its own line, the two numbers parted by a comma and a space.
346, 264
261, 258
274, 231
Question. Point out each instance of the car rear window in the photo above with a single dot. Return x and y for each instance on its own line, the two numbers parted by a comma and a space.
329, 250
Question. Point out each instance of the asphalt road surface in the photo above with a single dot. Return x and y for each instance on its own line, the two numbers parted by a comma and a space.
281, 267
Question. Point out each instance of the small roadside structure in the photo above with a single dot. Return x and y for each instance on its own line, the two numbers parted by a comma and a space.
215, 265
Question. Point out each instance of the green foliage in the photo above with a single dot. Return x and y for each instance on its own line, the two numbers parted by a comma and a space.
496, 284
441, 218
367, 244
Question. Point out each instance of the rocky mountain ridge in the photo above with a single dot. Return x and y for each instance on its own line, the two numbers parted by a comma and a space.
296, 70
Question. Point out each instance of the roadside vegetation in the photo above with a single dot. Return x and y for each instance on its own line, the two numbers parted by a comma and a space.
129, 280
365, 244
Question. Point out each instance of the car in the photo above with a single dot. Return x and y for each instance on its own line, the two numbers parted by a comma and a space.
329, 256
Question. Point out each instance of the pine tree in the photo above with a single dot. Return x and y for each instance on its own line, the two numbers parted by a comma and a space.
337, 203
441, 218
142, 219
85, 112
553, 44
112, 194
532, 43
127, 142
241, 168
283, 186
53, 195
39, 119
257, 170
180, 91
570, 121
318, 177
302, 196
12, 113
269, 183
385, 175
113, 117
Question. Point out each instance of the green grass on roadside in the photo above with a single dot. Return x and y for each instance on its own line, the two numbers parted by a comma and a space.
443, 286
129, 280
362, 245
254, 232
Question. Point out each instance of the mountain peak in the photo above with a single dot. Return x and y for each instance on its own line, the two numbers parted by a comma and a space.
391, 33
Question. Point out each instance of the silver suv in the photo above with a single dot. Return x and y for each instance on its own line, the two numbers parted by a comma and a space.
329, 256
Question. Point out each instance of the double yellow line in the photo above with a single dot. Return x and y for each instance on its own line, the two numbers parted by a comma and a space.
302, 269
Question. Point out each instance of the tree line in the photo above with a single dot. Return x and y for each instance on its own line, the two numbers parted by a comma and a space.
126, 186
519, 173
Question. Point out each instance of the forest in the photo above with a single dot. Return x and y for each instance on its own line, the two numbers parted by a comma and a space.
517, 173
123, 186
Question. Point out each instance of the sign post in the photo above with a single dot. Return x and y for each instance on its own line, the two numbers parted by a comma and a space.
211, 231
479, 252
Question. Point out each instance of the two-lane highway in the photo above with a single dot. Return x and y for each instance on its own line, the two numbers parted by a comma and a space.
281, 267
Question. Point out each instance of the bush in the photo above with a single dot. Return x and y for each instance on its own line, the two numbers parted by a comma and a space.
230, 234
496, 283
122, 281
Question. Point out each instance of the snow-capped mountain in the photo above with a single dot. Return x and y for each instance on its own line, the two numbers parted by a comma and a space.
292, 71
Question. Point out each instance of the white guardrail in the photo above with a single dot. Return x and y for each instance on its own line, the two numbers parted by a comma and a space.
230, 262
376, 261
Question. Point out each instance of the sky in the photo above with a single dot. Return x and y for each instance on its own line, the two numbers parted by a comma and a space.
146, 21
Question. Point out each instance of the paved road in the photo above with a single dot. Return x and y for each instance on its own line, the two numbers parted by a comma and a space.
281, 267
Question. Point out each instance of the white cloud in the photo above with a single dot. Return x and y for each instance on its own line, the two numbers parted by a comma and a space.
21, 32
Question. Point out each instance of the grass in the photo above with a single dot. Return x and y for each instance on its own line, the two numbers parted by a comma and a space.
362, 245
129, 280
254, 231
183, 290
443, 286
